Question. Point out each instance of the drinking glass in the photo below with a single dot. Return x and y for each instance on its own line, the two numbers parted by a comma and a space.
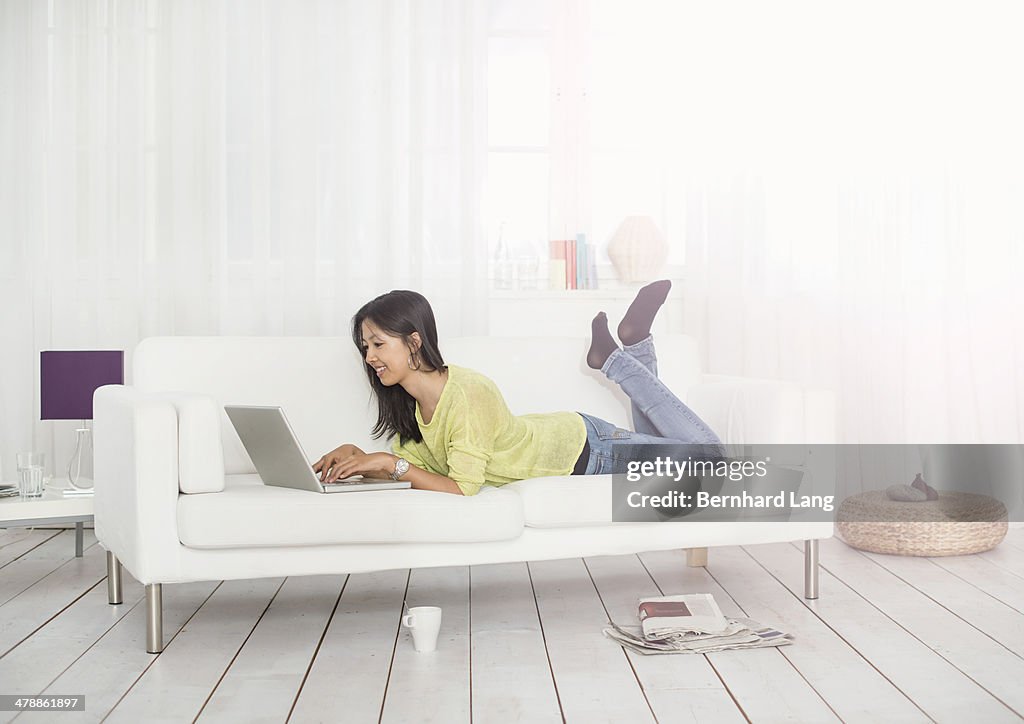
30, 474
527, 268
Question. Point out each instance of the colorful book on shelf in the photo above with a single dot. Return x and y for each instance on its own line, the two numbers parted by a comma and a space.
581, 261
572, 263
556, 265
587, 255
591, 272
570, 257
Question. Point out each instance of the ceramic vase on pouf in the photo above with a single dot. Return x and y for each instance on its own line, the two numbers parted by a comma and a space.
638, 249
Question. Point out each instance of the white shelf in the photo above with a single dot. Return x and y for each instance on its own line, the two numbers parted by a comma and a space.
558, 312
562, 293
609, 286
609, 289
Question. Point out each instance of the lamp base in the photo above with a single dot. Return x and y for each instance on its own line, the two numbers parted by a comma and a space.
63, 486
80, 484
75, 465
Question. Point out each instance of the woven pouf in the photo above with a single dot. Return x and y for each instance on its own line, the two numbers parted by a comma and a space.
956, 524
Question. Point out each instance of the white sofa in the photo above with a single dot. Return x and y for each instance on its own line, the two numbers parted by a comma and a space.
177, 498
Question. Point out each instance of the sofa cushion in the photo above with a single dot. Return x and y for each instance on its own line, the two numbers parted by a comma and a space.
200, 451
249, 514
321, 381
545, 374
565, 501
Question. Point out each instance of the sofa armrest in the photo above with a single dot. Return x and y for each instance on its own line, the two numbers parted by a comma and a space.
745, 410
136, 480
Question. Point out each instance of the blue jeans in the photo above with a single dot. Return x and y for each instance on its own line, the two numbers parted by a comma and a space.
658, 415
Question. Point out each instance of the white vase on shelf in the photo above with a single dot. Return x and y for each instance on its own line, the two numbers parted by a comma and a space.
638, 249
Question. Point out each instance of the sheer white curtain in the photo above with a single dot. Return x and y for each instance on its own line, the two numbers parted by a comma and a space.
847, 180
900, 293
225, 168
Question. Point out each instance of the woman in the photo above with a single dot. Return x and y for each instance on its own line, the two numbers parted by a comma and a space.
454, 431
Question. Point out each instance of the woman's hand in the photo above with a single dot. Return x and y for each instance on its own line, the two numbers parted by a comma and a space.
325, 464
374, 465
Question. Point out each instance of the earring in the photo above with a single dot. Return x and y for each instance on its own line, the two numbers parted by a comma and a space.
410, 363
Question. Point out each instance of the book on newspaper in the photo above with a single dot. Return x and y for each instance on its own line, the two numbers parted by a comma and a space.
690, 612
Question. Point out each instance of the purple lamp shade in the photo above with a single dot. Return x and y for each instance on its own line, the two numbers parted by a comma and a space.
68, 379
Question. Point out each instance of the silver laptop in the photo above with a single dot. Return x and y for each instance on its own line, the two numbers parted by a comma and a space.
279, 458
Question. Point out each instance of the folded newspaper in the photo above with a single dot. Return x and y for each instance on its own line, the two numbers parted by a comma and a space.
692, 623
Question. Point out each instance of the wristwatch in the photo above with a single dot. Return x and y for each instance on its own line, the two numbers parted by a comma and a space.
401, 468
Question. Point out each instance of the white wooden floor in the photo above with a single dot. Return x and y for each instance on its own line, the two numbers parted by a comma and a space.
890, 639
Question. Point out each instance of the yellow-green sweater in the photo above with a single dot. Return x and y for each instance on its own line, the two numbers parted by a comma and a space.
475, 440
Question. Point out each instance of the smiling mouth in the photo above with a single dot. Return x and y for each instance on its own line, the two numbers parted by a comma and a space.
380, 370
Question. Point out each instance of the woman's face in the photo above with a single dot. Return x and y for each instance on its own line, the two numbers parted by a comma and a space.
387, 355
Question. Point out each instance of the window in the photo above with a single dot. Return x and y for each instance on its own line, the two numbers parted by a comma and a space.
579, 118
519, 88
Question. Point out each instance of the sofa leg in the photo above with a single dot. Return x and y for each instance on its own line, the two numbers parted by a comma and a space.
697, 557
810, 568
154, 619
114, 591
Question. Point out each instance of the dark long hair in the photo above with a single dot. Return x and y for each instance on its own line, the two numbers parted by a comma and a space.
399, 313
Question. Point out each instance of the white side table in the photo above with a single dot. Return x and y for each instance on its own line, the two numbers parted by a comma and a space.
52, 508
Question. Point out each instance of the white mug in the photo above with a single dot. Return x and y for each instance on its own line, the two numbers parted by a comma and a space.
425, 622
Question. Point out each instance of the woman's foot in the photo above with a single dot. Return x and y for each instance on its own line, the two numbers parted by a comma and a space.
636, 325
601, 342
